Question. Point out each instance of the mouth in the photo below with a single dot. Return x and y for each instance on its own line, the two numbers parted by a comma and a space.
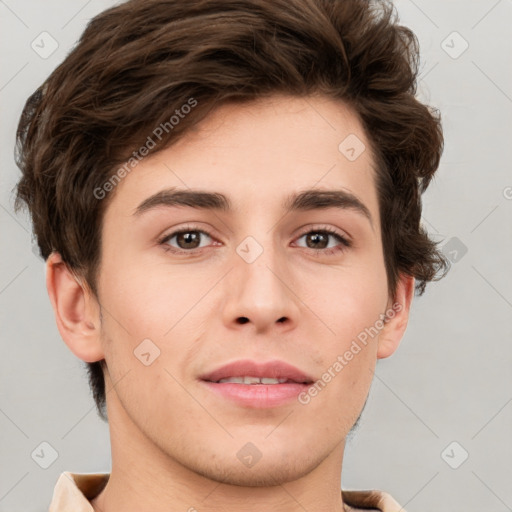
254, 385
250, 372
251, 381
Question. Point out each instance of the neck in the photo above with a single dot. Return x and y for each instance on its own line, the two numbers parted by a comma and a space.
145, 477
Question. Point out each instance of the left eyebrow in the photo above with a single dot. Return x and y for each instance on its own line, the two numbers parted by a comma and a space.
306, 200
321, 199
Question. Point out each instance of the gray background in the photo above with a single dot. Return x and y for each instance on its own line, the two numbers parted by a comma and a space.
451, 379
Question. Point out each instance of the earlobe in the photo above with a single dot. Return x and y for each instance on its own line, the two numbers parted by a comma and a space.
75, 309
398, 316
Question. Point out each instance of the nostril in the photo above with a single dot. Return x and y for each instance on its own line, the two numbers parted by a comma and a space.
243, 320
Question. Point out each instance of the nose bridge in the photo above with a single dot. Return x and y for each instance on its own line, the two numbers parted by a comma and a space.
259, 289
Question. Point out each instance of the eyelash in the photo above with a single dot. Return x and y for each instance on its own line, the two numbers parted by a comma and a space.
345, 243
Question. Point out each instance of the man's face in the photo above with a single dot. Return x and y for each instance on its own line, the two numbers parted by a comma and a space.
261, 283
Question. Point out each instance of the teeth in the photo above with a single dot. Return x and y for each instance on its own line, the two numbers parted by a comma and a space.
253, 380
269, 380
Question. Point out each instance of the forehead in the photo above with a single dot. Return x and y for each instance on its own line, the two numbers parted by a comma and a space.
258, 152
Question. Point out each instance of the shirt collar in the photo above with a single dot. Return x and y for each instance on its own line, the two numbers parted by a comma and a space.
74, 491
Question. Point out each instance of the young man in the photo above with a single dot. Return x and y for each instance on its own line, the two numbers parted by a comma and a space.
227, 195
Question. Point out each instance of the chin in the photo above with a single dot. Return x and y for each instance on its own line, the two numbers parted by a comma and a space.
272, 473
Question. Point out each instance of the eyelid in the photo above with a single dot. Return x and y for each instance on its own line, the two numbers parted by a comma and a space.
326, 228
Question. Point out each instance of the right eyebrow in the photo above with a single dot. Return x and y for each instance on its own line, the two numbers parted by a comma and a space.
192, 198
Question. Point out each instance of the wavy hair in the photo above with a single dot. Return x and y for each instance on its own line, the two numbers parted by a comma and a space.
137, 62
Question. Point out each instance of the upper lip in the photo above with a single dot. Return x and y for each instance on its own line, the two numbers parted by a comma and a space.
275, 369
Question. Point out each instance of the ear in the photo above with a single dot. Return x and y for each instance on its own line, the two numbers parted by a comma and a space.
76, 310
398, 315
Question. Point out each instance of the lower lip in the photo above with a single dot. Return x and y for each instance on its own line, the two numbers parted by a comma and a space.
257, 396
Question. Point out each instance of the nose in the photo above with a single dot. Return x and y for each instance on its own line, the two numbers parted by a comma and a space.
260, 289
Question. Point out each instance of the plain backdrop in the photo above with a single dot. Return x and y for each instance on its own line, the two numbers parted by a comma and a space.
436, 431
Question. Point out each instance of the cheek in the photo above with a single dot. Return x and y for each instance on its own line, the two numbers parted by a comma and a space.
155, 309
150, 298
145, 312
348, 300
350, 305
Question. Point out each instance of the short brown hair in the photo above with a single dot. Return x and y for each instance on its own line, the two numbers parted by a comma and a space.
136, 63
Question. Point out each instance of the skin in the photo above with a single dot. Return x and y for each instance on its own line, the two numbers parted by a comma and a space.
175, 443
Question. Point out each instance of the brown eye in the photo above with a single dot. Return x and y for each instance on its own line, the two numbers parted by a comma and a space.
319, 240
188, 240
184, 240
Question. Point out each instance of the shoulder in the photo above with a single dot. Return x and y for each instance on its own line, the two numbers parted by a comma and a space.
377, 500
